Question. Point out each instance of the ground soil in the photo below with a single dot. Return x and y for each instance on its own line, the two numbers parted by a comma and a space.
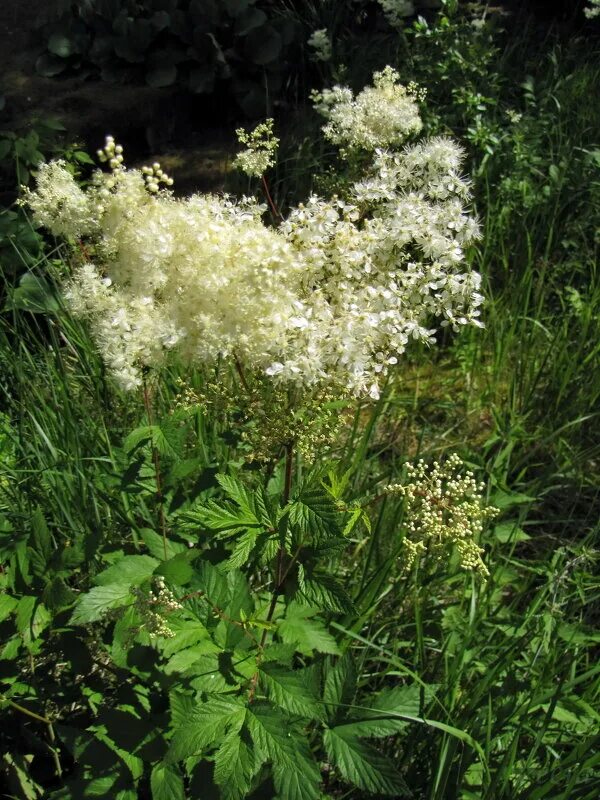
151, 123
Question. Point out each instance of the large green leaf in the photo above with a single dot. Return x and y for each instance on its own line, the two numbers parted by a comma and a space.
324, 591
128, 571
363, 765
253, 503
94, 605
33, 294
286, 689
236, 763
7, 605
166, 783
308, 634
205, 726
315, 514
164, 439
186, 633
278, 740
243, 548
156, 544
219, 517
340, 685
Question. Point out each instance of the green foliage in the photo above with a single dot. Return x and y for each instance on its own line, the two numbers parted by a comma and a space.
204, 45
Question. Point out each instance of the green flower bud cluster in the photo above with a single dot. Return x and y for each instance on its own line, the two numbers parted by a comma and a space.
112, 154
154, 176
268, 418
445, 511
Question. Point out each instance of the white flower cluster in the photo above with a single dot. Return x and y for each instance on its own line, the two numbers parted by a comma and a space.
261, 147
444, 510
333, 295
154, 605
321, 45
593, 9
382, 115
396, 11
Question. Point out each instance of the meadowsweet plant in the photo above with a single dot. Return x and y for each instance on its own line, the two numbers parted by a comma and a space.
445, 511
382, 115
261, 149
290, 325
593, 9
320, 42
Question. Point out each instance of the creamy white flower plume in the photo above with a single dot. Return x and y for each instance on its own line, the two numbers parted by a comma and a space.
334, 294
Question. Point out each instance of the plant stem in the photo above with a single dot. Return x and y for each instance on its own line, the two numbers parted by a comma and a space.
289, 462
240, 372
26, 711
274, 208
156, 461
280, 574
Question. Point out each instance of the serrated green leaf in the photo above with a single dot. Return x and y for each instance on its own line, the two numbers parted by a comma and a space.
200, 658
286, 689
340, 685
363, 765
237, 492
128, 571
278, 740
403, 699
57, 595
187, 633
98, 601
280, 653
244, 545
181, 705
236, 763
254, 504
7, 606
374, 727
166, 783
205, 726
323, 590
40, 542
218, 517
156, 545
178, 569
315, 514
396, 702
307, 634
24, 613
155, 436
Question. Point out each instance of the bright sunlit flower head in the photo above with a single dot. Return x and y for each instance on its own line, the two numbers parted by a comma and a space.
332, 296
383, 115
261, 148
